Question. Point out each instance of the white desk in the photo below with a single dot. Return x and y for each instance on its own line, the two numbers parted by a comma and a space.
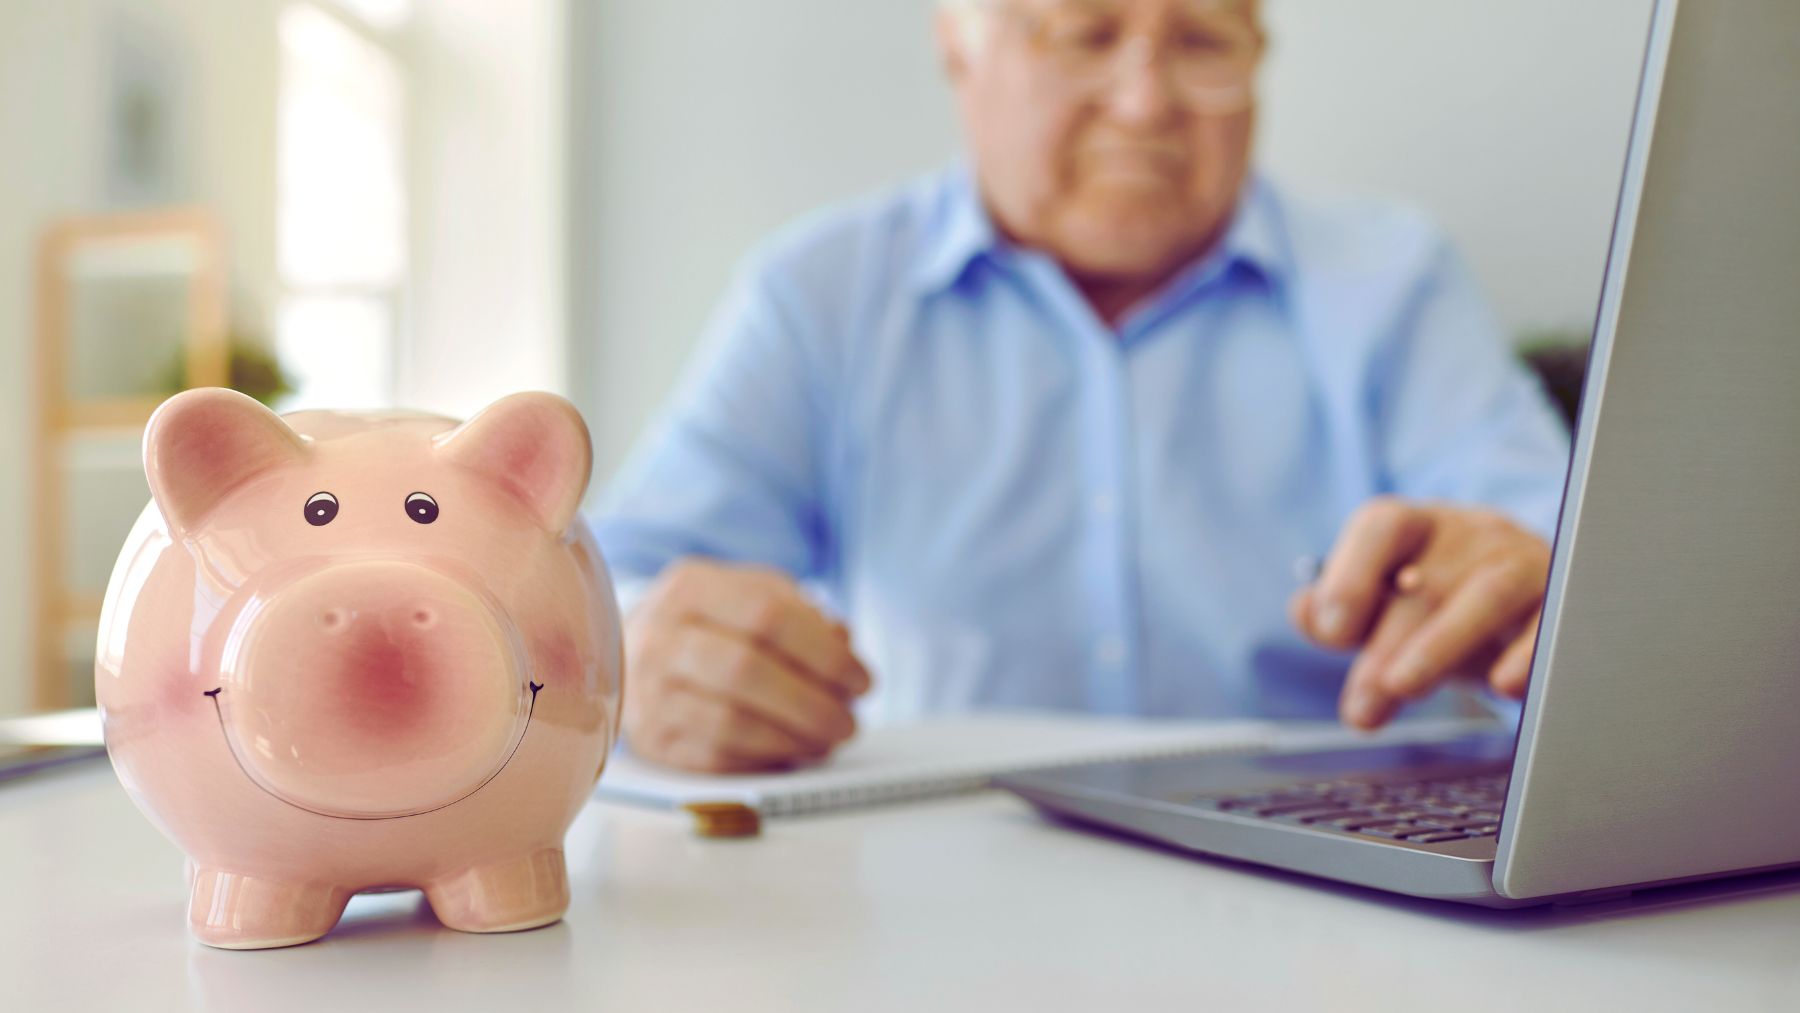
968, 903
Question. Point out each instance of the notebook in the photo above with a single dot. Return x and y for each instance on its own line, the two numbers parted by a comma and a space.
963, 753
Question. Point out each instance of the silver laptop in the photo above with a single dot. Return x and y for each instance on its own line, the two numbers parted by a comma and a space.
1660, 740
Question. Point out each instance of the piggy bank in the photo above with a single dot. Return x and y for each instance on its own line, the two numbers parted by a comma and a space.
345, 652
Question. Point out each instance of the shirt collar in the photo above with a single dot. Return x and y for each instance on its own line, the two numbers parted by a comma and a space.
1254, 238
962, 233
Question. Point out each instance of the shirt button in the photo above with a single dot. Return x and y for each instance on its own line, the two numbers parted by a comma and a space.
1105, 504
1109, 651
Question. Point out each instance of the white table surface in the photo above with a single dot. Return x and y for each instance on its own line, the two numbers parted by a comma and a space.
965, 903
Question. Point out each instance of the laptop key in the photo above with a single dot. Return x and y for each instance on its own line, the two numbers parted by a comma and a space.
1367, 824
1456, 823
1400, 833
1389, 832
1241, 802
1421, 831
1291, 808
1439, 838
1336, 816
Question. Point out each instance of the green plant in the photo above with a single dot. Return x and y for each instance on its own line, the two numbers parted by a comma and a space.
1559, 358
254, 370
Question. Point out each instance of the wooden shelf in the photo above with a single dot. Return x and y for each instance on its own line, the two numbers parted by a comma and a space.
79, 608
168, 244
106, 415
91, 450
137, 256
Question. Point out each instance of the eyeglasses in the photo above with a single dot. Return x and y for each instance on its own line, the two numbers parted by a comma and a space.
1210, 52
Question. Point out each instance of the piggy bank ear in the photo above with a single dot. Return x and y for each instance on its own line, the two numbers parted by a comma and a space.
535, 446
202, 444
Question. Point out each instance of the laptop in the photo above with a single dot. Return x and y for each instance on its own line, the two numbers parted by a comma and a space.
1660, 737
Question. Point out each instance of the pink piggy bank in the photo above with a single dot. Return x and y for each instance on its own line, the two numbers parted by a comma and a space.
345, 652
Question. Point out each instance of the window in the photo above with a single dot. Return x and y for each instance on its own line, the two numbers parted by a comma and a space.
340, 204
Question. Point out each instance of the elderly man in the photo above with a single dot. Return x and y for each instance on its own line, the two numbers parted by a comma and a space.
1051, 430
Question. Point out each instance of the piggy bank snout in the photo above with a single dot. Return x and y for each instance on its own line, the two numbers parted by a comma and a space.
374, 689
379, 662
421, 615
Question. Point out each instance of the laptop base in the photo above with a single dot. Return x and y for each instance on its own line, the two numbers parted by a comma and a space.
1172, 802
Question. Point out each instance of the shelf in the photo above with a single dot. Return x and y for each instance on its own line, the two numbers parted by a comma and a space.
80, 609
105, 415
104, 450
137, 257
90, 466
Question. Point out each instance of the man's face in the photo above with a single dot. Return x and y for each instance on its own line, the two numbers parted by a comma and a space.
1114, 134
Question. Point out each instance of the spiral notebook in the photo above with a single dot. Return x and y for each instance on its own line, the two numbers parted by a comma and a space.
944, 756
936, 757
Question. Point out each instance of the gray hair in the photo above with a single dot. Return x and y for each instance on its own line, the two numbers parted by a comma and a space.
970, 17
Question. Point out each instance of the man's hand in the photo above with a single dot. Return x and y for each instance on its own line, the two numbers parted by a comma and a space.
731, 668
1425, 591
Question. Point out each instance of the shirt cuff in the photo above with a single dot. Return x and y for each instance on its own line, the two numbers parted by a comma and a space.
628, 591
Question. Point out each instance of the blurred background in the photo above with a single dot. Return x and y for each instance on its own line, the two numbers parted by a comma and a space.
432, 203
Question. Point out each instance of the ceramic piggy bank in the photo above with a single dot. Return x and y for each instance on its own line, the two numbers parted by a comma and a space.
346, 652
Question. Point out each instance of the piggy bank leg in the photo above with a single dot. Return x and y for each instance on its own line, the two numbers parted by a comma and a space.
238, 912
505, 896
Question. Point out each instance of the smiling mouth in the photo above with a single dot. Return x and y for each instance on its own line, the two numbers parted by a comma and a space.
219, 712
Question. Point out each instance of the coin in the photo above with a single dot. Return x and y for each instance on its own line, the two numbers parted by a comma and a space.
724, 819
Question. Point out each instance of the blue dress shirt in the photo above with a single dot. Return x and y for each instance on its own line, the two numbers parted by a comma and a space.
1014, 505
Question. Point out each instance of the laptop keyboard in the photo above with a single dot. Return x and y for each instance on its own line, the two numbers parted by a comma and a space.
1419, 812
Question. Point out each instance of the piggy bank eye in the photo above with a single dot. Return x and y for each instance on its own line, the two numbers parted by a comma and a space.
321, 507
421, 507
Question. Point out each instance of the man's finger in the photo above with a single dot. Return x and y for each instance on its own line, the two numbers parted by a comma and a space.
729, 729
1365, 703
1381, 537
706, 758
1299, 609
767, 608
730, 665
1512, 672
1477, 613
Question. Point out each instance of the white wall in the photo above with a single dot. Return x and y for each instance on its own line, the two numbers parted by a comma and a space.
701, 124
52, 104
34, 180
1506, 119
